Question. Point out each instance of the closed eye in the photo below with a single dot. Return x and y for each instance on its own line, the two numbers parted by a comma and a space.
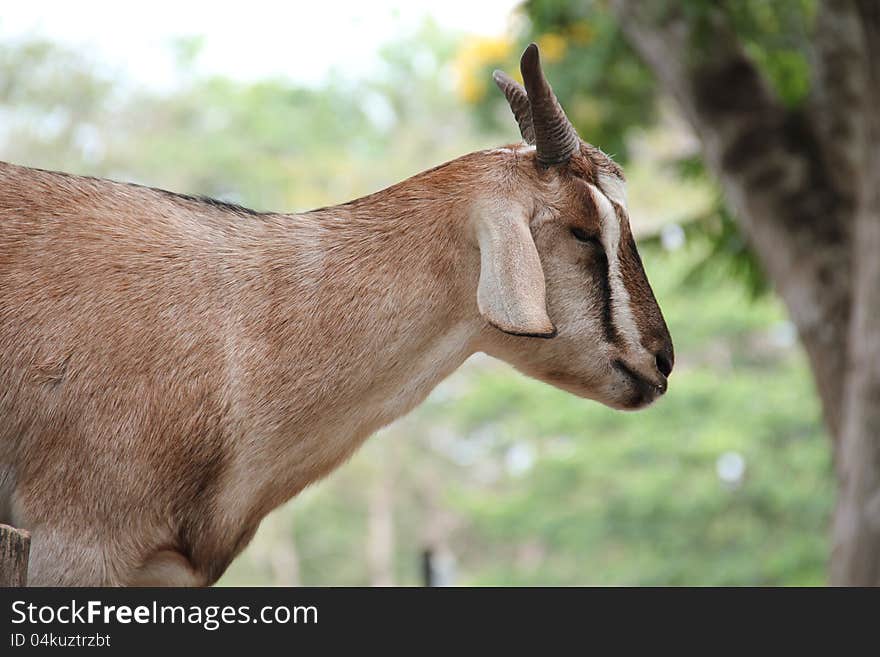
585, 237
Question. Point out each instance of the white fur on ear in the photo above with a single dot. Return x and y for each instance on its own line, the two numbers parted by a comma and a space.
511, 293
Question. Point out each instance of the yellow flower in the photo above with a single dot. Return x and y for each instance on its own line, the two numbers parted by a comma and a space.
474, 57
553, 47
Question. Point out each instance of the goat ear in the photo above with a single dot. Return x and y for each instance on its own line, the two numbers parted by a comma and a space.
511, 293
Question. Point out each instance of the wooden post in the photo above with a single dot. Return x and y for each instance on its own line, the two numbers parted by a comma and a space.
15, 545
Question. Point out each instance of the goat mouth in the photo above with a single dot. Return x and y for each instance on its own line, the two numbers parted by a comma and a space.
645, 391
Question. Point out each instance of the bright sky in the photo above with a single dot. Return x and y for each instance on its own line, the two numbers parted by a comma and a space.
299, 39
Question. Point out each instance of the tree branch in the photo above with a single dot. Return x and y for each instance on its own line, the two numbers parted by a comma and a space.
771, 168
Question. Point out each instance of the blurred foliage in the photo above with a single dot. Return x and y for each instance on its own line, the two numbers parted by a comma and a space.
777, 36
269, 143
727, 253
522, 483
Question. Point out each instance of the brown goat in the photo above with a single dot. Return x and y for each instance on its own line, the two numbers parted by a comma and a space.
173, 368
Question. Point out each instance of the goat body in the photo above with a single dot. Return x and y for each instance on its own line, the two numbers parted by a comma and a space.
171, 369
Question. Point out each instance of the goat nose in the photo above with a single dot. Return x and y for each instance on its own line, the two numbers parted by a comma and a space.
664, 363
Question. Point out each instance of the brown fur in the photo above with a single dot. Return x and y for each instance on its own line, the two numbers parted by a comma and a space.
172, 369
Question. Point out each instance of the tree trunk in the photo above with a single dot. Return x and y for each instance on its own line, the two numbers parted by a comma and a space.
804, 187
855, 557
856, 554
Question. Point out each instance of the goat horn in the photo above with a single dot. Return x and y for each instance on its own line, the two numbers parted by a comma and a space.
555, 138
519, 104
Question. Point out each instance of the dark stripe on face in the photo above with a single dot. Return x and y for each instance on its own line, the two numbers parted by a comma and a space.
604, 285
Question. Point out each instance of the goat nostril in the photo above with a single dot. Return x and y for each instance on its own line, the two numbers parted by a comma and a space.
664, 365
661, 387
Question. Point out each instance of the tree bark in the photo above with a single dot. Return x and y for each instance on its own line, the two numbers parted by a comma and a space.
803, 184
856, 553
15, 545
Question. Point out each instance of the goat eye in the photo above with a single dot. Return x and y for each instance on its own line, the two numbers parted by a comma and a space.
584, 237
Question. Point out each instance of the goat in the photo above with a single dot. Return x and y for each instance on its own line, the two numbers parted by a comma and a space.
174, 368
